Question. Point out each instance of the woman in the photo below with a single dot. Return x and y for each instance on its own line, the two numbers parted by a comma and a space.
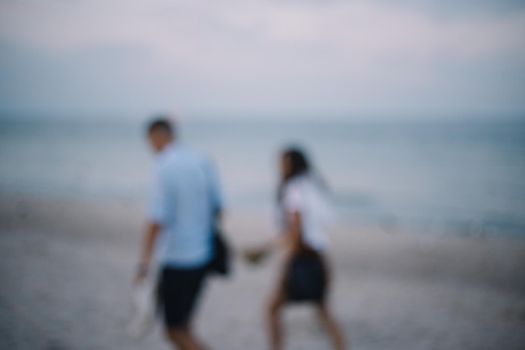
304, 214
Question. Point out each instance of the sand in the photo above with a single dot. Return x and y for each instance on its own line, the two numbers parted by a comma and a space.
66, 268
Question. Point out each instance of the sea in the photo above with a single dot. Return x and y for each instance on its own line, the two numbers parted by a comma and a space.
459, 178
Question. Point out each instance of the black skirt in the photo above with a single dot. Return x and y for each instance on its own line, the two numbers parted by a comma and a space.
306, 278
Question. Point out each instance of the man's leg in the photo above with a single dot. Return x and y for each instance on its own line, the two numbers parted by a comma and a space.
181, 296
183, 339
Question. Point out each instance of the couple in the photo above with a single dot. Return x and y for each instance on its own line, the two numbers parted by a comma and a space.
186, 205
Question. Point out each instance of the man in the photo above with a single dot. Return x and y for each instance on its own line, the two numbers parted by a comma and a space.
185, 204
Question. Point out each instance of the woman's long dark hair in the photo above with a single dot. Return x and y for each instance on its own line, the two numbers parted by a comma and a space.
299, 165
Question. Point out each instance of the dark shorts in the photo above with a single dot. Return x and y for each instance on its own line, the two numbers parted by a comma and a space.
306, 278
178, 293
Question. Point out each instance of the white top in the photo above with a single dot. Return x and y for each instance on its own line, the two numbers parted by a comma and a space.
184, 197
304, 195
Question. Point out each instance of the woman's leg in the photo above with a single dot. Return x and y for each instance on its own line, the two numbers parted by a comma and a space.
275, 329
326, 317
273, 317
331, 327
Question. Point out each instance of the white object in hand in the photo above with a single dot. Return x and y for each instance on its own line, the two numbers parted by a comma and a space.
144, 307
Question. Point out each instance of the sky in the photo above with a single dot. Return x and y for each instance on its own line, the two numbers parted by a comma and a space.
263, 59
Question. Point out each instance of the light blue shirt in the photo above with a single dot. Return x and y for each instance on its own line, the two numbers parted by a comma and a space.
184, 199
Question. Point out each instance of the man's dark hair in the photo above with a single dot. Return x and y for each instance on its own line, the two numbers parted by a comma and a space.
161, 124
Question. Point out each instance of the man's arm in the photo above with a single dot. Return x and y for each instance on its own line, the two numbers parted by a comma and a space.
148, 244
215, 192
155, 216
218, 214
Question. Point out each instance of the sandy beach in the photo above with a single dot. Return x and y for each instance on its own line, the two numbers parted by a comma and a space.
66, 270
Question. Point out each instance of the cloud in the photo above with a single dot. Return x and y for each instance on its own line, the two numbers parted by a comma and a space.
268, 57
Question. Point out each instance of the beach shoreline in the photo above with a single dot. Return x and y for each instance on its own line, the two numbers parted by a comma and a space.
67, 266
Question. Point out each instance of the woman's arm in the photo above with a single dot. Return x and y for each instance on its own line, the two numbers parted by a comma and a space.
293, 234
289, 240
